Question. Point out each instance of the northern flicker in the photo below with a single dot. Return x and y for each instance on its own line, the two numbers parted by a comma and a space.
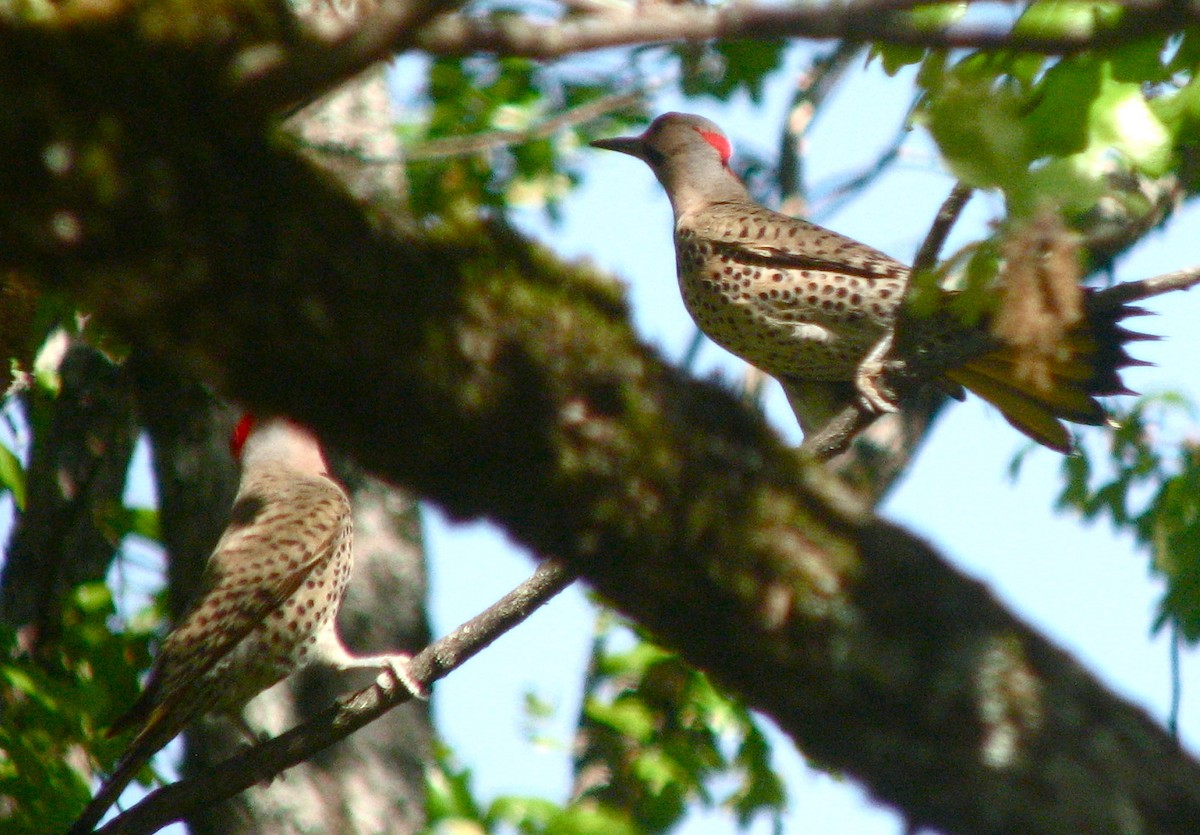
270, 593
816, 310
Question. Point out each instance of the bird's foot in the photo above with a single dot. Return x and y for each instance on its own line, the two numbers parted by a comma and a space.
395, 669
330, 650
249, 735
874, 395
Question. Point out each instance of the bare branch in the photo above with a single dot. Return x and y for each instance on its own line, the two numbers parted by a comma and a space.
268, 759
279, 80
1132, 291
943, 222
849, 189
812, 90
865, 21
873, 477
457, 146
835, 436
316, 65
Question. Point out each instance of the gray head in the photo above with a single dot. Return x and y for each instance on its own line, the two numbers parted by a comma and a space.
690, 156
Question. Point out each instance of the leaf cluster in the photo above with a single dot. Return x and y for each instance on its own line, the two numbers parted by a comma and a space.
1107, 137
497, 107
57, 703
1149, 488
654, 740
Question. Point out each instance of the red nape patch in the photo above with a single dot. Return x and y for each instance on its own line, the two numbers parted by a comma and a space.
240, 433
719, 142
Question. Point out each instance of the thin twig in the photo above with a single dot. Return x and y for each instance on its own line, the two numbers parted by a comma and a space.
847, 190
176, 801
457, 146
1132, 291
316, 65
877, 22
1176, 681
827, 71
836, 436
943, 222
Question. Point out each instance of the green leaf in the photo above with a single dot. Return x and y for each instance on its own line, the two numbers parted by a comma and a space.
591, 819
761, 790
1066, 92
980, 128
526, 814
1180, 111
895, 57
1122, 120
117, 521
93, 599
1073, 183
12, 476
629, 717
448, 792
1051, 18
1140, 61
932, 18
727, 67
936, 16
976, 299
1187, 56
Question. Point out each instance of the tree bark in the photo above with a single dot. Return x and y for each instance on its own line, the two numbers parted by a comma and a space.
74, 483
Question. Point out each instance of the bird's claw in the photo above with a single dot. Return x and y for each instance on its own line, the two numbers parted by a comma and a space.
874, 395
395, 669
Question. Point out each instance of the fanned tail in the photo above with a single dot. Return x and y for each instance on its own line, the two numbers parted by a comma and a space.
1087, 365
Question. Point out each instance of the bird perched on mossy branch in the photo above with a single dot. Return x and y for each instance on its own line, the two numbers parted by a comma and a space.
820, 312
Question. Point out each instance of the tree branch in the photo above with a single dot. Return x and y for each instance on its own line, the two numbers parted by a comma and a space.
268, 759
947, 215
274, 79
859, 21
1132, 291
67, 533
280, 80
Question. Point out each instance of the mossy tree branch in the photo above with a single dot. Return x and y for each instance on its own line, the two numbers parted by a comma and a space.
480, 371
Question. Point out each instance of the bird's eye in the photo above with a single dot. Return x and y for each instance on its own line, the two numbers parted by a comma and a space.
655, 157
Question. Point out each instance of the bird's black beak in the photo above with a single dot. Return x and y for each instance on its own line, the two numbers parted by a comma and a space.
631, 145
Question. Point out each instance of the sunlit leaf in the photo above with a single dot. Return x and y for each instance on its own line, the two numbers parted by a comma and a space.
12, 476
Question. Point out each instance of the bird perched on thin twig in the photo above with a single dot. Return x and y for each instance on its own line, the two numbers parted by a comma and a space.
818, 311
270, 593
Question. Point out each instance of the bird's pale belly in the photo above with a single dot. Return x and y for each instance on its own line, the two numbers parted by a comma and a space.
804, 324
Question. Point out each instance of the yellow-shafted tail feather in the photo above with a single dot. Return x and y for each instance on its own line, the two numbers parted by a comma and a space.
1020, 408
